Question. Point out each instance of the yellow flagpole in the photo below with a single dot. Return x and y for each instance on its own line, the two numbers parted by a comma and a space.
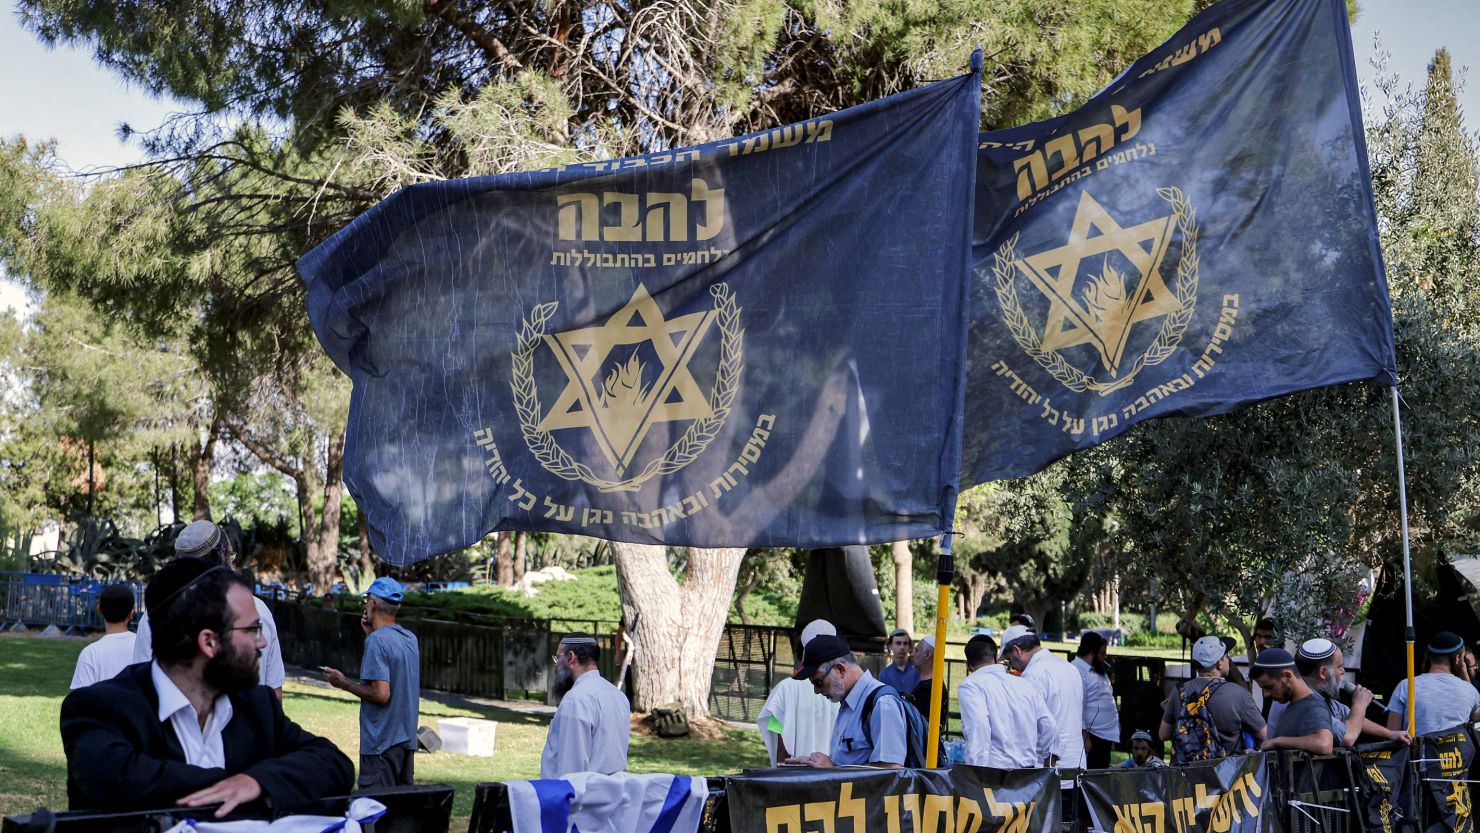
944, 573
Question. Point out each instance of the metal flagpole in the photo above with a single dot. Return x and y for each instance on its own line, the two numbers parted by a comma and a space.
945, 572
1408, 635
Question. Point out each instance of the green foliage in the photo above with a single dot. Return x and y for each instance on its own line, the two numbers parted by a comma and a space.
593, 595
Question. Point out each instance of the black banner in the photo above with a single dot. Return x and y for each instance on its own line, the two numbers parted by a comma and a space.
1446, 757
968, 799
1225, 796
1385, 787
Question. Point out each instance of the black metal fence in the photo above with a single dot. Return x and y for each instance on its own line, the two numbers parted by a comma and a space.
499, 659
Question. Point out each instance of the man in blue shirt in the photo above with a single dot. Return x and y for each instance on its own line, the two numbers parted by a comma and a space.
835, 674
389, 690
900, 672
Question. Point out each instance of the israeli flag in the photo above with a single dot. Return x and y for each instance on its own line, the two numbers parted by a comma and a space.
588, 802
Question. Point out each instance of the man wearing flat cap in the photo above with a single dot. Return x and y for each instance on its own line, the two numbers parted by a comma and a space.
389, 689
593, 723
876, 738
203, 539
1445, 699
193, 727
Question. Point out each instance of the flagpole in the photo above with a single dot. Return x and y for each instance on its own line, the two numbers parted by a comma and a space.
1408, 634
945, 572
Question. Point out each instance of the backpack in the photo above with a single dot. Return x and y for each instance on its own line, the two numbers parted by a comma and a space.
916, 730
1196, 737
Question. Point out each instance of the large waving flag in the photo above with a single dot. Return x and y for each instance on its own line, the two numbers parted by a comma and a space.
1197, 237
757, 342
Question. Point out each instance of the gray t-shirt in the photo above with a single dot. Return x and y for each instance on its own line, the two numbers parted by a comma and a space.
1232, 709
1444, 701
1302, 718
391, 654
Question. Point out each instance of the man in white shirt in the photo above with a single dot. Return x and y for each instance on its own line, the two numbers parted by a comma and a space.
1059, 684
1005, 718
203, 539
193, 728
593, 724
102, 660
796, 720
1101, 719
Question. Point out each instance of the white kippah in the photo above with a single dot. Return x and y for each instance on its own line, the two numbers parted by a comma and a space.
578, 640
817, 627
927, 642
1317, 648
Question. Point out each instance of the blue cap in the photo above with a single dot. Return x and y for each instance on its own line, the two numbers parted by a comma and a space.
387, 588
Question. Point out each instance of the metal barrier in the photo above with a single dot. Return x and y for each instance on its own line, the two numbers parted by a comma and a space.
510, 660
66, 602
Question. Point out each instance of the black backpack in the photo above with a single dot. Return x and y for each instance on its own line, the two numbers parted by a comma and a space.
916, 733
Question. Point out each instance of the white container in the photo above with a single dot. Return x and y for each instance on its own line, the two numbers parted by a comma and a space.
467, 735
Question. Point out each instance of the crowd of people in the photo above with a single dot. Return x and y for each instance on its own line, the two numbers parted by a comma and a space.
188, 711
1023, 706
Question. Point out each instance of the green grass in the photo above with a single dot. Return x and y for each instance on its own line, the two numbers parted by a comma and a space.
33, 771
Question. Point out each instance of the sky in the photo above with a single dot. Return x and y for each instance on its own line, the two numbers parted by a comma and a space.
61, 94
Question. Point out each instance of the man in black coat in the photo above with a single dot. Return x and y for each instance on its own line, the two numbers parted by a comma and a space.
193, 727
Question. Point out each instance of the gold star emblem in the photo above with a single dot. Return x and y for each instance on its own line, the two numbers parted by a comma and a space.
620, 401
1111, 305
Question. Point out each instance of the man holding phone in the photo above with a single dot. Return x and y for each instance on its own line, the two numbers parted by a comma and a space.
389, 689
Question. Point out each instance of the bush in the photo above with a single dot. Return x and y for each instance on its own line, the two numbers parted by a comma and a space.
1154, 640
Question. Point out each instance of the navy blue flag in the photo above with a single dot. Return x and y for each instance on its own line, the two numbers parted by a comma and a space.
1199, 236
757, 342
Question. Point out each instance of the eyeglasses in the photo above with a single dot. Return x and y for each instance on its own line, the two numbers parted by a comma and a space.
559, 654
821, 678
256, 630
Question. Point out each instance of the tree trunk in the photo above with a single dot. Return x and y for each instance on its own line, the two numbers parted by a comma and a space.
904, 586
307, 523
366, 563
678, 626
201, 456
323, 571
505, 559
521, 545
744, 592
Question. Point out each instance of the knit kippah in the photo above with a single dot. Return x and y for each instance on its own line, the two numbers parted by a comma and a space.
1317, 648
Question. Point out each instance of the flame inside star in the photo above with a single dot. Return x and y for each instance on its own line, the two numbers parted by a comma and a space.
1106, 297
623, 386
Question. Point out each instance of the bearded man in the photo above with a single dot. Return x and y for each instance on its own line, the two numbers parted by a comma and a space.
193, 727
594, 721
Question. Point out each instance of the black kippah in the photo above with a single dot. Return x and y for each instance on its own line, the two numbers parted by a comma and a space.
171, 581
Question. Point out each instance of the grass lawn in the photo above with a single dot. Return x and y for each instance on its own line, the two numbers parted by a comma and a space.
33, 771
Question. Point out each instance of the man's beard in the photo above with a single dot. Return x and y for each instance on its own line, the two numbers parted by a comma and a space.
232, 669
834, 689
1330, 687
564, 681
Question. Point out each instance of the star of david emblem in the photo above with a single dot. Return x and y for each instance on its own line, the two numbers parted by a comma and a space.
1113, 302
628, 374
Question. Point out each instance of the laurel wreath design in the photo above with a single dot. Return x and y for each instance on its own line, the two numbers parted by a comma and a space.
1166, 341
696, 439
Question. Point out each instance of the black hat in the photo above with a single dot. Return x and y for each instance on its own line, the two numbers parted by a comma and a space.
820, 650
1445, 642
119, 592
172, 579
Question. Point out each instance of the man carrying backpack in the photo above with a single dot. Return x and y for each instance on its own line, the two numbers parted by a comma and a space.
1208, 717
874, 726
